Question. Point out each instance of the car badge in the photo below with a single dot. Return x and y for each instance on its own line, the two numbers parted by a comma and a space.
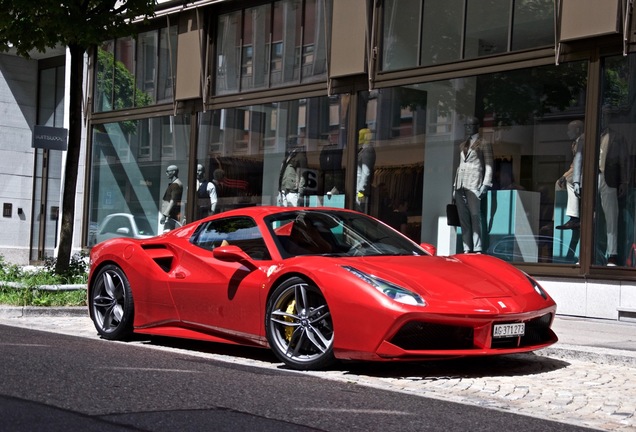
502, 304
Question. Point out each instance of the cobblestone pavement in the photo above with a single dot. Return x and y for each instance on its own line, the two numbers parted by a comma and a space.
552, 384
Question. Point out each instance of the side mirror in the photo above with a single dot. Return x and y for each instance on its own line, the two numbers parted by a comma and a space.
429, 248
123, 231
233, 254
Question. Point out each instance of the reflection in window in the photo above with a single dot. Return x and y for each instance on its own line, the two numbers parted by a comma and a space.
236, 231
431, 32
135, 72
254, 67
390, 158
442, 31
272, 153
533, 24
286, 42
416, 132
487, 26
314, 55
167, 64
614, 234
124, 73
125, 184
147, 44
278, 43
104, 77
401, 27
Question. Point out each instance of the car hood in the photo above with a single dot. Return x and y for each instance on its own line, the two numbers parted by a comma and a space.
469, 277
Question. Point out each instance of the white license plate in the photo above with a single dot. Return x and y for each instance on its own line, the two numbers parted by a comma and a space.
508, 330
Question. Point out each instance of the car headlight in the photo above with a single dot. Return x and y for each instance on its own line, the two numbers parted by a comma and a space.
538, 289
391, 290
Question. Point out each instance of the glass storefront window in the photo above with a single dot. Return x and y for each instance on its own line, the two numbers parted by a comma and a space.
254, 66
533, 24
135, 72
123, 73
401, 27
314, 50
283, 153
417, 155
139, 177
228, 56
454, 30
275, 44
614, 233
104, 68
147, 44
390, 158
167, 64
442, 31
487, 26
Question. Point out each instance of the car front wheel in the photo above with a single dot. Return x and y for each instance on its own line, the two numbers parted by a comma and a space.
111, 304
299, 326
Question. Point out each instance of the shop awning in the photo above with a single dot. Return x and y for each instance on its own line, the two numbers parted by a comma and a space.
577, 20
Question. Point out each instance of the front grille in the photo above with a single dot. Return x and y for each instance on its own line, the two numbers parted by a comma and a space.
537, 332
430, 336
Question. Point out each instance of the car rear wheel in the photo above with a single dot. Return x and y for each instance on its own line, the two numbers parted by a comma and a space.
111, 303
299, 326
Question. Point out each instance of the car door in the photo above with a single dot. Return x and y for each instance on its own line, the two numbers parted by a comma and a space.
218, 295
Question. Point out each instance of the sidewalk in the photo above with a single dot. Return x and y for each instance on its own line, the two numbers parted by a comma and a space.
601, 341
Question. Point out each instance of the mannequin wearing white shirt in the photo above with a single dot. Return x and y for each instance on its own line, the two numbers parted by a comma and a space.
571, 179
206, 194
473, 179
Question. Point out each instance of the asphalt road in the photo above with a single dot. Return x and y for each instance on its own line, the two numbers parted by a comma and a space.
54, 382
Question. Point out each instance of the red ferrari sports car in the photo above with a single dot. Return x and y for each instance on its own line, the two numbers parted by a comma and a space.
315, 285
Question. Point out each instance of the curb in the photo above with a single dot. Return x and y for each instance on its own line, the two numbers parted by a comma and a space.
592, 354
43, 311
67, 287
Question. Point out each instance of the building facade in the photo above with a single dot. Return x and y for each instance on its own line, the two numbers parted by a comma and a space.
361, 104
32, 94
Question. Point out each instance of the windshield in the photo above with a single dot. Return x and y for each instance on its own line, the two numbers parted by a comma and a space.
336, 233
143, 226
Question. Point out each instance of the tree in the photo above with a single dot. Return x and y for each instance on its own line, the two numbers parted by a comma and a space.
79, 25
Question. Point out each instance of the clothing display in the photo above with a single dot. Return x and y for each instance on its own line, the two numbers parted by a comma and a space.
291, 181
472, 179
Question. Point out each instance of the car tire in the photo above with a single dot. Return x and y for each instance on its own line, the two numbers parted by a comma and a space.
299, 326
111, 303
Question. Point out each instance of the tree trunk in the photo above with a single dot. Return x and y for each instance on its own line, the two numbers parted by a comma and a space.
72, 159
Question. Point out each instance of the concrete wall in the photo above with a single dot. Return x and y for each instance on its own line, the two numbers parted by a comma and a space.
18, 97
593, 298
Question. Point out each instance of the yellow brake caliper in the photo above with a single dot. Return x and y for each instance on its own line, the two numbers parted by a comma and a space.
290, 310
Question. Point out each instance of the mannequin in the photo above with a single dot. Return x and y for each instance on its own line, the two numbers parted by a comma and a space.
291, 181
171, 202
206, 194
571, 179
473, 179
612, 182
366, 165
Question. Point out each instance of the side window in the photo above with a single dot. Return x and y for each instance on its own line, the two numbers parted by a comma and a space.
207, 236
238, 231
